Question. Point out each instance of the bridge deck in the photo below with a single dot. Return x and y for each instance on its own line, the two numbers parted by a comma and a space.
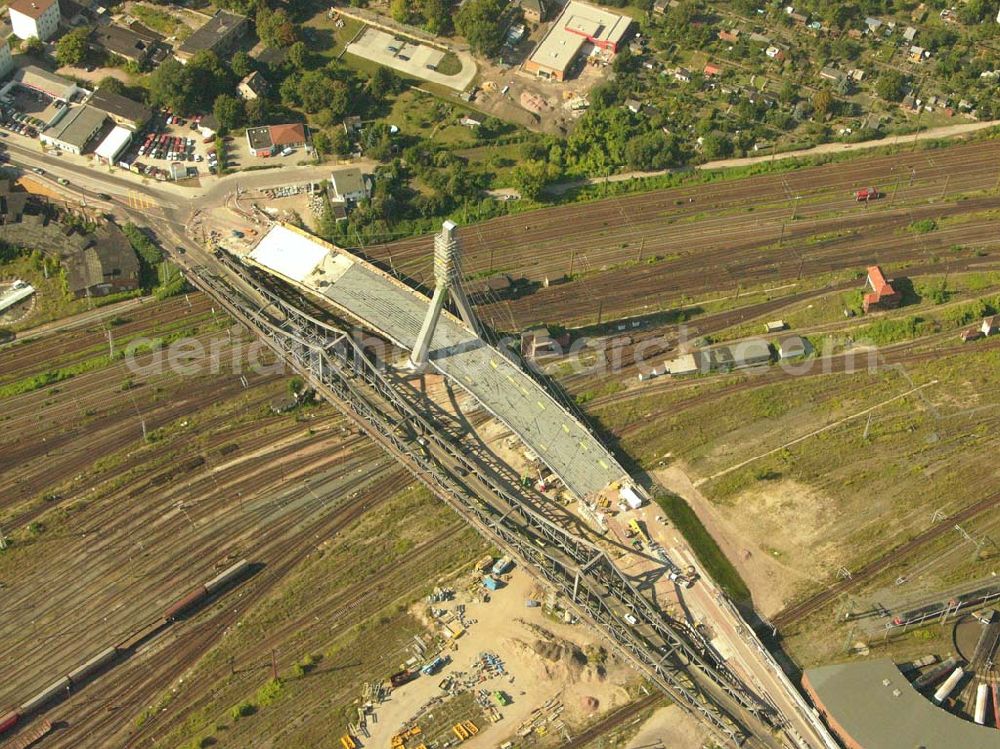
397, 311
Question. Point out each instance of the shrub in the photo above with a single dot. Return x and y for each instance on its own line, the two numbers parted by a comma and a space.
242, 710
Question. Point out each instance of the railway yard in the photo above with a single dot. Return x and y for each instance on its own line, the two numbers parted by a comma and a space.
853, 489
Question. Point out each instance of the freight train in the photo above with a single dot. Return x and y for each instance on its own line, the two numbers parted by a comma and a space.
82, 673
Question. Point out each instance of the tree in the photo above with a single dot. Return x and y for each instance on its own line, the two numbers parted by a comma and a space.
111, 85
322, 142
530, 178
275, 28
256, 111
716, 146
33, 46
482, 24
318, 91
298, 56
400, 11
437, 15
891, 85
228, 111
72, 48
822, 101
241, 64
383, 82
789, 93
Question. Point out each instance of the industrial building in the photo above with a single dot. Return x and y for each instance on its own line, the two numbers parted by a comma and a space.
108, 265
871, 705
74, 132
268, 140
50, 84
882, 296
124, 111
220, 35
34, 18
113, 145
579, 25
740, 355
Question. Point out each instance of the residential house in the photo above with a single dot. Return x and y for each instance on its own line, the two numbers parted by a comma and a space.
873, 24
882, 296
349, 185
6, 59
252, 86
991, 325
268, 140
729, 36
712, 71
34, 18
683, 75
124, 43
219, 34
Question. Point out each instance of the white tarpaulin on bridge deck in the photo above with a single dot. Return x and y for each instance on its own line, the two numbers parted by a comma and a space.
288, 253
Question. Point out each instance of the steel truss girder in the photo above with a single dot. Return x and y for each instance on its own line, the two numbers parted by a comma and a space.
333, 359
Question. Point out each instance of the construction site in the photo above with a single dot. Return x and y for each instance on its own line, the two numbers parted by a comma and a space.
356, 517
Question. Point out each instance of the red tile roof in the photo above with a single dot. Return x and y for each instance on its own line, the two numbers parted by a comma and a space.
32, 8
287, 135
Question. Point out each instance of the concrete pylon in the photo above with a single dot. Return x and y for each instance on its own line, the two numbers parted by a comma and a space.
447, 282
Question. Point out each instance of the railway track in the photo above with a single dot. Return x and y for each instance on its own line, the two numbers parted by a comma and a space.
795, 613
612, 721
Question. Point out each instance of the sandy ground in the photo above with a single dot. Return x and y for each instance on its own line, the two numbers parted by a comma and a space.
504, 627
669, 728
771, 582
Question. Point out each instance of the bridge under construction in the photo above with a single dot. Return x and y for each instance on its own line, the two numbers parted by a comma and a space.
323, 281
392, 309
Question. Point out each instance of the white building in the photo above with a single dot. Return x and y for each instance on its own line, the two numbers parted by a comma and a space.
112, 146
349, 184
39, 18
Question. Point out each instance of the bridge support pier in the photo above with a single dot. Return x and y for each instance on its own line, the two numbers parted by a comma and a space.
447, 283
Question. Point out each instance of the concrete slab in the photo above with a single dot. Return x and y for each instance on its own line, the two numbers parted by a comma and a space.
411, 58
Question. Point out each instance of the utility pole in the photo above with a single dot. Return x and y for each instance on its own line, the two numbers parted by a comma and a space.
945, 188
642, 242
572, 259
274, 664
111, 345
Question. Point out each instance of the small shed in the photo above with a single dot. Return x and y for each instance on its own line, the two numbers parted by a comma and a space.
971, 334
683, 365
991, 325
790, 346
775, 326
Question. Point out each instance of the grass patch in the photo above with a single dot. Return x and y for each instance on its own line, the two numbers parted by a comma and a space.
450, 64
156, 19
716, 564
923, 226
